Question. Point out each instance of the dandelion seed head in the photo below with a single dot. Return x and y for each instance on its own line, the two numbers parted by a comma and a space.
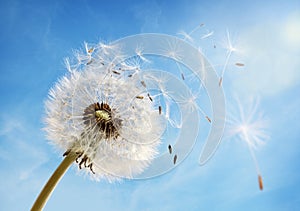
93, 111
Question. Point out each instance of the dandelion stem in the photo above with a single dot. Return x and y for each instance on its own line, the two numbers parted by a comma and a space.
52, 182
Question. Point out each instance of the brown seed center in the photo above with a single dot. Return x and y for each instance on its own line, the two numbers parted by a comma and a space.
99, 116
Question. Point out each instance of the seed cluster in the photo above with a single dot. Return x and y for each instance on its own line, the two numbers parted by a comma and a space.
96, 117
99, 116
101, 111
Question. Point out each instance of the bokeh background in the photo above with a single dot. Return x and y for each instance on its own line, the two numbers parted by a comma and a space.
35, 36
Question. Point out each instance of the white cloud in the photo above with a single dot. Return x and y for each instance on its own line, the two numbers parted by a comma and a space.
18, 148
291, 31
9, 125
272, 51
22, 158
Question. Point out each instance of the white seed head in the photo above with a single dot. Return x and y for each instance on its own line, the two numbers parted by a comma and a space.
94, 111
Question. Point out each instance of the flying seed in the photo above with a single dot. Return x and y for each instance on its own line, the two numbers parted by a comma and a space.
175, 159
239, 64
159, 110
170, 149
182, 76
220, 82
150, 98
143, 83
140, 97
208, 119
116, 72
260, 182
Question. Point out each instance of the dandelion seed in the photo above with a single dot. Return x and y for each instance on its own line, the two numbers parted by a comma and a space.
239, 64
175, 159
230, 49
260, 182
159, 110
188, 36
182, 76
191, 104
91, 50
170, 149
88, 49
140, 97
143, 83
247, 128
208, 119
220, 81
173, 50
150, 98
139, 53
116, 72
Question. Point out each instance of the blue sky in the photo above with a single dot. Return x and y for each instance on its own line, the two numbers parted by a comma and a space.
35, 37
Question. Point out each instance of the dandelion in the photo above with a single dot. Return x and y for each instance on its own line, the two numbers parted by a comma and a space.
249, 126
101, 119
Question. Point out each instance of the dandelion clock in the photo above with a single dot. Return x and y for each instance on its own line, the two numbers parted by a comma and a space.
100, 119
108, 114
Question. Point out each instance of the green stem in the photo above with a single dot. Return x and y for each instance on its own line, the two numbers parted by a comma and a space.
52, 182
